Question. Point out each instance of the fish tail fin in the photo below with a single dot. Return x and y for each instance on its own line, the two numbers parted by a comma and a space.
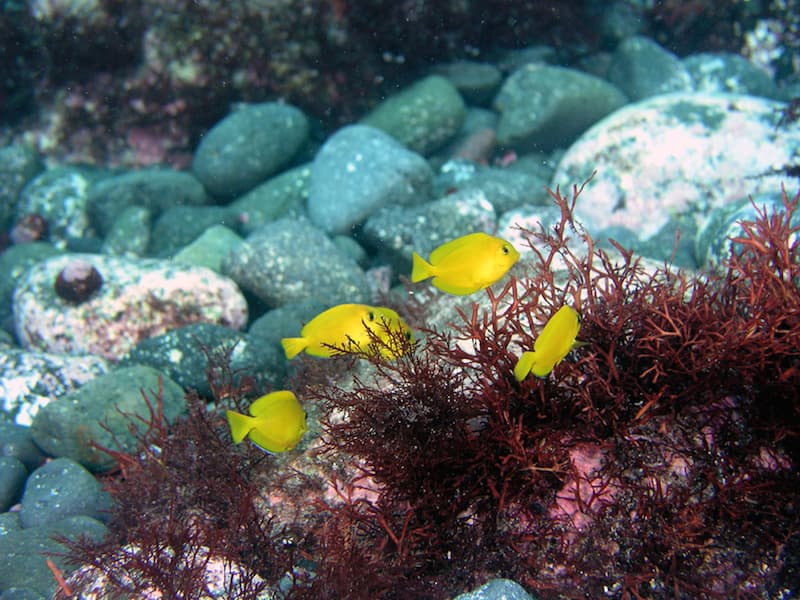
524, 365
293, 346
240, 425
420, 269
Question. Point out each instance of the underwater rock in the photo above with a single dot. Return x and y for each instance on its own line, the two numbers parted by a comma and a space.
422, 116
497, 589
22, 565
210, 248
713, 244
18, 444
279, 196
181, 225
155, 189
641, 68
139, 299
290, 260
719, 72
31, 380
360, 169
676, 155
59, 489
543, 107
12, 480
181, 354
18, 165
60, 197
475, 81
102, 412
248, 146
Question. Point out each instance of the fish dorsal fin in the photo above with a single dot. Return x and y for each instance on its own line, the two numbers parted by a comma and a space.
263, 405
451, 248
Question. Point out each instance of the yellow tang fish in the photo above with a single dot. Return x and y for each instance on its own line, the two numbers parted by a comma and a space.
276, 423
466, 264
553, 344
337, 328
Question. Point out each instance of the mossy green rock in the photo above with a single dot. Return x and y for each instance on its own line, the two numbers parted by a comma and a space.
277, 197
421, 117
130, 233
248, 146
16, 260
210, 249
543, 107
101, 412
23, 553
155, 189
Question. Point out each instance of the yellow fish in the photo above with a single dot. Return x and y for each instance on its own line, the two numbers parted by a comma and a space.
466, 264
345, 324
553, 344
276, 423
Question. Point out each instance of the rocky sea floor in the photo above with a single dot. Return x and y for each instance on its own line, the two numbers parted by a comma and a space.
112, 280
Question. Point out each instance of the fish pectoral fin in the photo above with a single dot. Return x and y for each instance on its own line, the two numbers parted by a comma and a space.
293, 346
420, 269
524, 365
240, 425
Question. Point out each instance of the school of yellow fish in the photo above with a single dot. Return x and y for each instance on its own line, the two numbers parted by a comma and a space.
277, 421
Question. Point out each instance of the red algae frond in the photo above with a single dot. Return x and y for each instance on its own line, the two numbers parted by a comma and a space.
657, 460
185, 503
636, 469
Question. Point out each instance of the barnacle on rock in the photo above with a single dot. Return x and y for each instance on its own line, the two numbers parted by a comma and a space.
77, 281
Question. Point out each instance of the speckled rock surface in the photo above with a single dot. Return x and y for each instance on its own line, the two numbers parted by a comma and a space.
16, 442
155, 189
181, 225
497, 589
641, 68
130, 233
728, 72
713, 243
12, 481
59, 489
18, 165
279, 196
358, 170
31, 380
290, 260
102, 411
475, 81
543, 107
677, 155
248, 146
210, 248
14, 261
181, 354
21, 563
423, 116
138, 299
61, 197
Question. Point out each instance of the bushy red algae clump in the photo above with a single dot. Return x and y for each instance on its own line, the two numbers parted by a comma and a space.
185, 500
658, 460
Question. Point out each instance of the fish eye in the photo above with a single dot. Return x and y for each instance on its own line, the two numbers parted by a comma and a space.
506, 249
408, 335
371, 316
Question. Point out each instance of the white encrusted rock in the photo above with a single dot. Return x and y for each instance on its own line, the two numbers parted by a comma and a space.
138, 299
678, 154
